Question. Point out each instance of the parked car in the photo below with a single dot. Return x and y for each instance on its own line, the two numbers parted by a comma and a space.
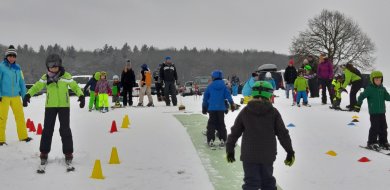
81, 80
187, 89
202, 82
276, 75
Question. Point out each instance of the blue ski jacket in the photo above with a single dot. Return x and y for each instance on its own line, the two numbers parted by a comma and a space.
215, 95
11, 80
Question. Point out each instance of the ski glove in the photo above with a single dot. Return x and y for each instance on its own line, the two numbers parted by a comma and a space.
343, 90
233, 107
82, 101
290, 158
227, 107
356, 108
230, 157
26, 100
204, 110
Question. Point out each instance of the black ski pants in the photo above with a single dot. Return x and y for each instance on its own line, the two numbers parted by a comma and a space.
48, 129
378, 129
127, 94
170, 89
216, 122
258, 176
326, 83
159, 89
356, 85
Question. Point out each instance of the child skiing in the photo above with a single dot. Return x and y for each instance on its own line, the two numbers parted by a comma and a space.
258, 123
57, 83
301, 87
337, 83
116, 91
145, 84
91, 84
247, 89
214, 104
102, 90
376, 96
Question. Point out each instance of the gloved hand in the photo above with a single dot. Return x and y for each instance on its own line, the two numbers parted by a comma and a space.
227, 107
233, 107
356, 108
230, 157
290, 158
26, 100
204, 110
82, 101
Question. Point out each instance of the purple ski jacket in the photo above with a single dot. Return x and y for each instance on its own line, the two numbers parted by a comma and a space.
325, 70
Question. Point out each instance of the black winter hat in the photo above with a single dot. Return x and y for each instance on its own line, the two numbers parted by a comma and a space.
53, 60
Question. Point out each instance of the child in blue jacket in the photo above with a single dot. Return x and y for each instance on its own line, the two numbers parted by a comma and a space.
214, 104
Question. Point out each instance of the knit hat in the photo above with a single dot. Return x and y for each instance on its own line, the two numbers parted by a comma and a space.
53, 60
115, 77
10, 51
291, 62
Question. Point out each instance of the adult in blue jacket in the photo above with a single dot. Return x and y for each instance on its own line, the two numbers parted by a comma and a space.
214, 103
12, 89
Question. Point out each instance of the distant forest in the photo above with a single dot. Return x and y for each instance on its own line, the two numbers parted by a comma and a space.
189, 62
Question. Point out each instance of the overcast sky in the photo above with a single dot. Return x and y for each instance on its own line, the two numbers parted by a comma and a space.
228, 24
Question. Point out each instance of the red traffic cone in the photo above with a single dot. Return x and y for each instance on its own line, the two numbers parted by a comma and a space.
113, 127
32, 127
364, 159
39, 130
28, 123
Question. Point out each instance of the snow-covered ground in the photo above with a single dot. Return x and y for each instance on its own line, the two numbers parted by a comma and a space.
157, 153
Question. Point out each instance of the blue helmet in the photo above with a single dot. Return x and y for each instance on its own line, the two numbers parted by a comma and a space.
144, 66
168, 58
217, 74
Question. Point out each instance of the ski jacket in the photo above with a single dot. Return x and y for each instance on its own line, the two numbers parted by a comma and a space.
290, 74
300, 84
258, 123
325, 70
247, 89
57, 94
350, 77
102, 87
116, 86
215, 95
92, 82
11, 80
168, 72
336, 86
376, 97
128, 79
146, 77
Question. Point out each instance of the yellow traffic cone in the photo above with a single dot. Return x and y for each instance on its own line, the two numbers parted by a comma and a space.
124, 123
331, 153
97, 171
127, 120
114, 159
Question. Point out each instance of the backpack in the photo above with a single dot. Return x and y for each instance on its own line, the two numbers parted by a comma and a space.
148, 78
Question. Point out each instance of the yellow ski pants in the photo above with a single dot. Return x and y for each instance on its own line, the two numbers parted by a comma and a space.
17, 108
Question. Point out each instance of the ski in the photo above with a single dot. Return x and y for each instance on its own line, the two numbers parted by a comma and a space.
340, 109
42, 167
379, 151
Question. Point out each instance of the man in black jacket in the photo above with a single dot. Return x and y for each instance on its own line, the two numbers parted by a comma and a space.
168, 76
258, 123
290, 74
127, 82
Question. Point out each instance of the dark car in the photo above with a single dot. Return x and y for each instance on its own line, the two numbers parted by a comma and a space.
276, 75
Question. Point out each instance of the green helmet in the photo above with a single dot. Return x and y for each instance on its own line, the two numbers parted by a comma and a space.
262, 89
307, 67
375, 74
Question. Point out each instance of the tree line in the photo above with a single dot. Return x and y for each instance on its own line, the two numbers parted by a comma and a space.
189, 62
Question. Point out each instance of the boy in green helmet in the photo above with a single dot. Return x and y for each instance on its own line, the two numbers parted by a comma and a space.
376, 96
258, 123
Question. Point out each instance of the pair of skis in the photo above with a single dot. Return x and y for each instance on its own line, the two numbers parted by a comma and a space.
42, 167
380, 150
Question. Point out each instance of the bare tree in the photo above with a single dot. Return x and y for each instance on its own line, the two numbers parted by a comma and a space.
339, 37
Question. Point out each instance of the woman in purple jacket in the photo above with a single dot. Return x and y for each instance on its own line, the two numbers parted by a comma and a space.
325, 76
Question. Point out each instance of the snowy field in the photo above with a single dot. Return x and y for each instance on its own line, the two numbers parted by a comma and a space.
157, 153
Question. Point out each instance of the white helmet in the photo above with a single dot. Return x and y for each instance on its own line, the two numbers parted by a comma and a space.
268, 75
115, 77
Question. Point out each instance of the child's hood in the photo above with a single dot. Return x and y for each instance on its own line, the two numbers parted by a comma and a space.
258, 107
218, 85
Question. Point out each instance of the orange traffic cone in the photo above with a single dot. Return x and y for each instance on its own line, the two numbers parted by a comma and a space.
113, 127
32, 127
39, 131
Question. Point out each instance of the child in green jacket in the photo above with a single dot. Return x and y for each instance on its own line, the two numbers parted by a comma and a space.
57, 83
376, 96
301, 87
337, 87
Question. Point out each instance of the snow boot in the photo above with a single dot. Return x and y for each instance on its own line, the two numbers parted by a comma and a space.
2, 143
373, 146
211, 145
385, 146
140, 105
28, 139
222, 143
306, 104
150, 104
43, 157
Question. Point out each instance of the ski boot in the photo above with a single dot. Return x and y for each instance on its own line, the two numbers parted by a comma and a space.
298, 104
385, 146
42, 167
28, 139
68, 162
222, 143
2, 143
306, 104
373, 146
293, 104
211, 145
